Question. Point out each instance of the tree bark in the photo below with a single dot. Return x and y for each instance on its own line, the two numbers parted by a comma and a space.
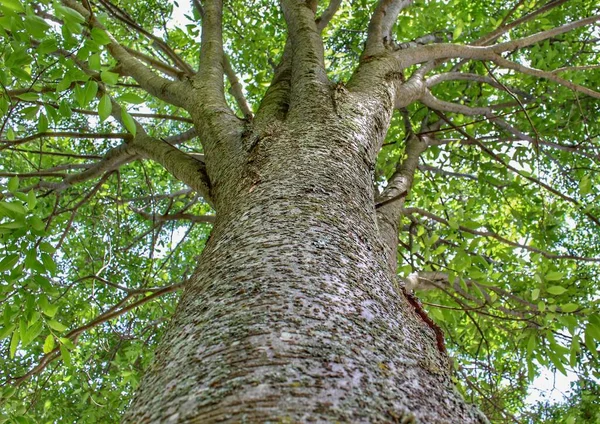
293, 314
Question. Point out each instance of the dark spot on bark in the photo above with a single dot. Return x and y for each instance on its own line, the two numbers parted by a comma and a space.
393, 76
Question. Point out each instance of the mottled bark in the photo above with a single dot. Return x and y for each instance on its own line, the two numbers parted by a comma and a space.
293, 314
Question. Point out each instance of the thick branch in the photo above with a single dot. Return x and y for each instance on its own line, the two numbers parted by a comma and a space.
379, 33
309, 80
157, 43
174, 92
155, 63
421, 41
445, 173
391, 15
114, 159
236, 90
209, 80
544, 35
497, 33
323, 20
180, 216
390, 203
53, 134
276, 101
182, 166
464, 76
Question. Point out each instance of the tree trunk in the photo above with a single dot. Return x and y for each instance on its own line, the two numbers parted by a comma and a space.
292, 315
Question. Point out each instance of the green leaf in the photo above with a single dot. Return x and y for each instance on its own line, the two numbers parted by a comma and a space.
13, 184
47, 247
104, 107
65, 110
574, 351
6, 331
460, 25
14, 343
49, 263
593, 330
47, 46
32, 333
589, 342
557, 362
48, 308
531, 344
13, 207
55, 325
65, 355
131, 98
30, 113
8, 392
585, 185
68, 343
86, 93
110, 78
45, 284
91, 89
554, 275
29, 97
32, 263
13, 5
8, 262
36, 26
453, 223
37, 224
100, 36
31, 200
42, 123
64, 84
535, 294
556, 290
569, 307
71, 14
128, 121
94, 62
52, 114
79, 94
49, 343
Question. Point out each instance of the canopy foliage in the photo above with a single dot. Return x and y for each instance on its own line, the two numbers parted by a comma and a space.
96, 239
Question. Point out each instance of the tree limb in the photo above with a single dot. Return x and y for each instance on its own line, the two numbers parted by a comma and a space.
157, 43
323, 20
390, 202
71, 134
309, 81
179, 216
379, 32
503, 29
174, 92
236, 89
209, 80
